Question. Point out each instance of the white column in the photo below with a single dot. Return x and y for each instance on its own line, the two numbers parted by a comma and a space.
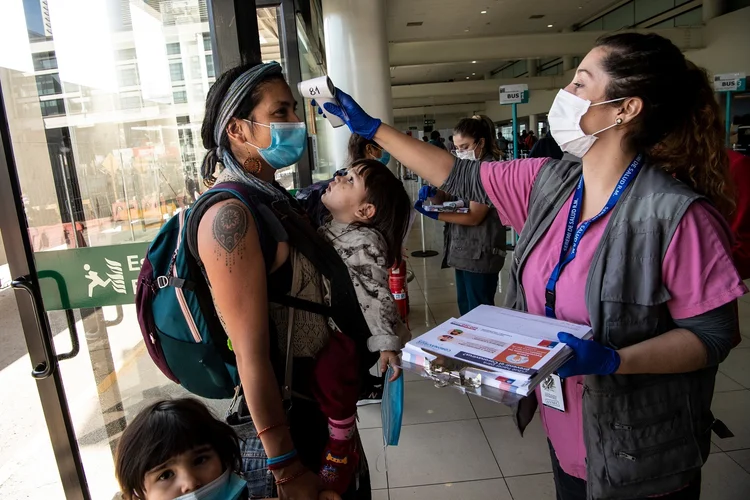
533, 123
712, 9
357, 58
567, 61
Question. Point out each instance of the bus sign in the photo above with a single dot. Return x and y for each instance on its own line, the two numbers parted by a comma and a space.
514, 94
730, 82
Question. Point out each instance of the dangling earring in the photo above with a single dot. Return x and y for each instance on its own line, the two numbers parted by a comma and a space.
618, 121
251, 165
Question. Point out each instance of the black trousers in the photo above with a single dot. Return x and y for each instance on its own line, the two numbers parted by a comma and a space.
572, 488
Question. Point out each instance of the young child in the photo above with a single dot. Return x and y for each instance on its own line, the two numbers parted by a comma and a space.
175, 450
370, 213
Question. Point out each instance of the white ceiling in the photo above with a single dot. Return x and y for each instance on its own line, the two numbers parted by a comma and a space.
451, 18
430, 73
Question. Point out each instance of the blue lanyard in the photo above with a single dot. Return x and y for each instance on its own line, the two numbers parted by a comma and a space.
573, 237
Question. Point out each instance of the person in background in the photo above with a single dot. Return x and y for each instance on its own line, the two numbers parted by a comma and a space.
739, 168
649, 267
522, 139
474, 241
502, 145
546, 147
451, 144
435, 139
425, 138
530, 140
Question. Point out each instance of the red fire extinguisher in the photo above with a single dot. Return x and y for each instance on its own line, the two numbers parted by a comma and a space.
397, 284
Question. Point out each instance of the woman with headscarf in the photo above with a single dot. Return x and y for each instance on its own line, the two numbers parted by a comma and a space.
250, 130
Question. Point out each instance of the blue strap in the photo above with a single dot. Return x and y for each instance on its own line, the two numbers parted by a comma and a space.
282, 458
573, 236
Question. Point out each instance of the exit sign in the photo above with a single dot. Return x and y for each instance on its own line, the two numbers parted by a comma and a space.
429, 121
730, 82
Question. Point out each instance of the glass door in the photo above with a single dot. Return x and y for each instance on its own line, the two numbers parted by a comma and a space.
102, 104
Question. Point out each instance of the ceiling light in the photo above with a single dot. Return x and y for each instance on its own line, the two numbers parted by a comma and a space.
414, 23
466, 30
473, 62
467, 77
549, 25
473, 74
536, 16
483, 12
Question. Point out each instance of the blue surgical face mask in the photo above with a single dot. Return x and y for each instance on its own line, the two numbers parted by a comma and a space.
228, 486
385, 158
288, 141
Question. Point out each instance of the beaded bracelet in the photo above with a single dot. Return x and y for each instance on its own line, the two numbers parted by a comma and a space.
291, 478
270, 428
275, 461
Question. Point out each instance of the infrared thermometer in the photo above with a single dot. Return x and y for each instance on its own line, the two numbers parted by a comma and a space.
322, 90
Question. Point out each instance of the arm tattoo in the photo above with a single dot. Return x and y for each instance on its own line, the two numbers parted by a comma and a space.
229, 229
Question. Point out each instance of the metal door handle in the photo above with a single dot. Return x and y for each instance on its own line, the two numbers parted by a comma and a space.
75, 346
46, 367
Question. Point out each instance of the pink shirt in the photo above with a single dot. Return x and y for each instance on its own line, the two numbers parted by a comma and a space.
697, 270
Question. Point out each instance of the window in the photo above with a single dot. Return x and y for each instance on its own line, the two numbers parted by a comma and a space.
131, 101
173, 48
207, 41
48, 84
53, 107
210, 71
126, 54
175, 72
45, 60
127, 77
180, 97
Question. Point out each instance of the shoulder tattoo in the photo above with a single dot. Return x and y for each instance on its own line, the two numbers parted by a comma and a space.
229, 230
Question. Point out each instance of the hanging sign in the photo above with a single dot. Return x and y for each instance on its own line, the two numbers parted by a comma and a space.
429, 121
730, 82
514, 94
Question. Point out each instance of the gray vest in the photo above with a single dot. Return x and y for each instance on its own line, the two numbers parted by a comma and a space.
477, 249
644, 434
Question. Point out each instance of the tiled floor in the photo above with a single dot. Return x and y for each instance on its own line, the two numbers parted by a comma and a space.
459, 447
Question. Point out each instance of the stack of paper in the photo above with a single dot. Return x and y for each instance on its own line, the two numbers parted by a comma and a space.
506, 349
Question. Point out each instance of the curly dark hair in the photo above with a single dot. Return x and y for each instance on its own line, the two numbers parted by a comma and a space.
680, 126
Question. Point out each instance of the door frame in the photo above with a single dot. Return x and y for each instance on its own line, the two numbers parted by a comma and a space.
36, 329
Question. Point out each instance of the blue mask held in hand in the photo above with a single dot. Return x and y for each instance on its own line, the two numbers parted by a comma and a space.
385, 158
288, 141
392, 408
228, 486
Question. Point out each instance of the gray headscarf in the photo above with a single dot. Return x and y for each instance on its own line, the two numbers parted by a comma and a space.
240, 89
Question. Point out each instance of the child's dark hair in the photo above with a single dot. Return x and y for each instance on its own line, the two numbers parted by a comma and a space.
392, 206
165, 429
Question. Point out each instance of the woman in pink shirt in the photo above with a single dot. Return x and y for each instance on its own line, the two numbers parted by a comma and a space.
645, 209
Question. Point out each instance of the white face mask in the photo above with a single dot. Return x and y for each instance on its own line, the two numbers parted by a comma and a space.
565, 123
228, 486
467, 154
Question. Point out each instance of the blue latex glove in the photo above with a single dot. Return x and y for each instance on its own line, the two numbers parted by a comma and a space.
426, 192
419, 208
590, 358
352, 114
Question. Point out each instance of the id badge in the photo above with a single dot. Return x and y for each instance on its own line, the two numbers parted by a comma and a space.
552, 392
